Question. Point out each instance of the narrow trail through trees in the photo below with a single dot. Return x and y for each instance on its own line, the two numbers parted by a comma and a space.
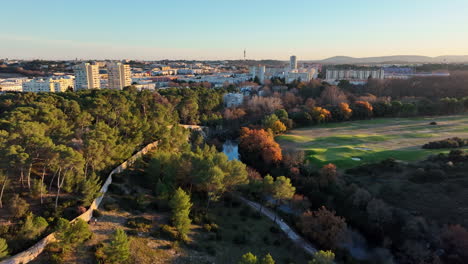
296, 238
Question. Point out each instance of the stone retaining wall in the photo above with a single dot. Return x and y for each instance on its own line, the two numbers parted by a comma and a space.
34, 251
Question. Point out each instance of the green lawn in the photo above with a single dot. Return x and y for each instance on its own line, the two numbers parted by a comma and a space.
350, 144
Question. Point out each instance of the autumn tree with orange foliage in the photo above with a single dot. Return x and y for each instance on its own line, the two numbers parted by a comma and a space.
323, 227
320, 114
362, 110
345, 111
259, 148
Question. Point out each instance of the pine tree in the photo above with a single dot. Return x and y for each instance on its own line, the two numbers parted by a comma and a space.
268, 259
323, 257
118, 250
89, 189
180, 205
248, 258
3, 248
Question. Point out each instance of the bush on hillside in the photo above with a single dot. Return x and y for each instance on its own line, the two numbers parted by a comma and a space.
454, 142
139, 223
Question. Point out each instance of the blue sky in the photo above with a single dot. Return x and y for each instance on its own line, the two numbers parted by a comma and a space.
221, 29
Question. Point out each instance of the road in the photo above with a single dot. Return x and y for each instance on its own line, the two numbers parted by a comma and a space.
296, 238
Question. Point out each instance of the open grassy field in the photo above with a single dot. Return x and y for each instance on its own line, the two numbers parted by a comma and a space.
354, 143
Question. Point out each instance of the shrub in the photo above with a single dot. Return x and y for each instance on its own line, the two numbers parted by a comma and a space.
323, 257
210, 249
211, 227
168, 232
244, 212
18, 206
3, 248
240, 239
116, 189
454, 142
111, 206
97, 213
140, 223
277, 243
38, 187
32, 227
274, 230
457, 155
70, 234
248, 258
426, 176
4, 229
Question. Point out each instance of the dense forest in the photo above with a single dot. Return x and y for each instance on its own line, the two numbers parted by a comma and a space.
56, 148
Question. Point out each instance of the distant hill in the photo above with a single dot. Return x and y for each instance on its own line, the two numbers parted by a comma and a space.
395, 59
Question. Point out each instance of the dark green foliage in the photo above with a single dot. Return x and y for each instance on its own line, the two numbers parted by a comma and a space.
425, 176
241, 239
18, 206
89, 189
71, 234
454, 142
110, 206
180, 205
3, 248
32, 227
169, 233
97, 213
117, 251
140, 223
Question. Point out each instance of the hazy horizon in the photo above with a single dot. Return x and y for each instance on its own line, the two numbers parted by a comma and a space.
213, 30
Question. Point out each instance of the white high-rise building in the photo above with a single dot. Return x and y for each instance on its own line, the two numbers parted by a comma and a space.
258, 71
293, 63
87, 77
119, 75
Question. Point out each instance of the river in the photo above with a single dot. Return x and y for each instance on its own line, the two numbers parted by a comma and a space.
231, 149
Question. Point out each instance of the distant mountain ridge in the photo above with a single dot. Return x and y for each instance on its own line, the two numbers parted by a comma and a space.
396, 59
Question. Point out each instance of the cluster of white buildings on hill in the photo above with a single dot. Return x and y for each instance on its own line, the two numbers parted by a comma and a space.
290, 74
87, 76
355, 76
361, 76
52, 84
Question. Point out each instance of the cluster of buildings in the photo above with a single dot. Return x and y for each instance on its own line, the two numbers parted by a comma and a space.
354, 76
87, 76
117, 75
361, 76
147, 75
290, 74
12, 84
51, 84
404, 73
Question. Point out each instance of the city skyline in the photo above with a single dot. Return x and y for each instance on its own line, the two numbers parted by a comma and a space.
213, 30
